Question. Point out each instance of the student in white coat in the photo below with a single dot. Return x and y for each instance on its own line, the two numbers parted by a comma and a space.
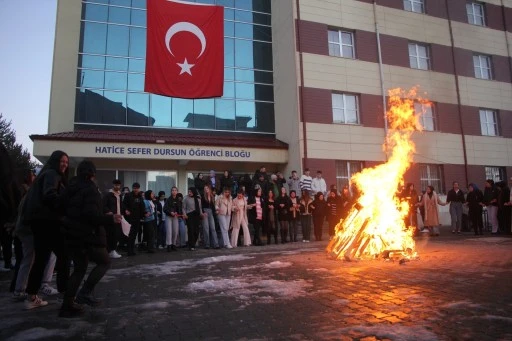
239, 217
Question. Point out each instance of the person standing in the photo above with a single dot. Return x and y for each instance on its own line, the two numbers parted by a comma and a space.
172, 209
475, 204
192, 212
240, 208
85, 238
318, 184
223, 208
305, 181
213, 182
504, 208
209, 232
431, 201
284, 204
456, 199
133, 211
318, 208
161, 217
43, 211
199, 183
271, 209
112, 204
149, 224
333, 211
305, 215
262, 183
411, 197
294, 215
491, 203
256, 214
345, 202
294, 183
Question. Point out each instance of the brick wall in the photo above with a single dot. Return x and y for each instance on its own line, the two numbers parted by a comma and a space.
447, 115
328, 168
312, 37
317, 105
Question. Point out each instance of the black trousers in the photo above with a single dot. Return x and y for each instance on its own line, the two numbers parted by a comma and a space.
48, 239
193, 222
18, 253
134, 231
476, 221
284, 224
6, 241
113, 235
318, 223
504, 218
272, 231
149, 228
81, 255
258, 226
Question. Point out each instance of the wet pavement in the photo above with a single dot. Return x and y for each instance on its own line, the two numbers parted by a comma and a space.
459, 289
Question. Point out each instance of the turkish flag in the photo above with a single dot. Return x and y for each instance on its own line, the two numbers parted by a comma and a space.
185, 49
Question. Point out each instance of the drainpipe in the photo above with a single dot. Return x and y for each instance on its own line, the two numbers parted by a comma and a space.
381, 71
506, 38
459, 109
301, 92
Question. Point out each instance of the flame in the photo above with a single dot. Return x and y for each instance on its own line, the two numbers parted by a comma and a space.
375, 226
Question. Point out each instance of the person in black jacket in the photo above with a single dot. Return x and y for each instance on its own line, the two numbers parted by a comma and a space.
257, 214
333, 211
491, 202
85, 237
199, 183
475, 204
283, 204
161, 217
318, 207
43, 212
112, 204
455, 198
504, 216
134, 211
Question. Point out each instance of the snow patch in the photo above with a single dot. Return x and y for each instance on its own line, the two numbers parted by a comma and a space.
384, 331
495, 318
219, 259
40, 333
153, 305
273, 265
461, 304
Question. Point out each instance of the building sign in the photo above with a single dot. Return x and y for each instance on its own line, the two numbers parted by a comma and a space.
174, 151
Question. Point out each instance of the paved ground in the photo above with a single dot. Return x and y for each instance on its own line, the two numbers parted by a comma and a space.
459, 289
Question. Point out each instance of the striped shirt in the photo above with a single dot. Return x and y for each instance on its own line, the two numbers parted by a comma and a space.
259, 210
305, 182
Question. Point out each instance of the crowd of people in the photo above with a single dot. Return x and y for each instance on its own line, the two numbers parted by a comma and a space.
55, 221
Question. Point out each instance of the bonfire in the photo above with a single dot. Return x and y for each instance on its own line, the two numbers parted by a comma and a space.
375, 225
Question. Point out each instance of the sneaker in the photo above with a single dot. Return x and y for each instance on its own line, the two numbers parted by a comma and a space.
307, 241
114, 254
228, 246
35, 302
160, 247
48, 290
19, 296
303, 240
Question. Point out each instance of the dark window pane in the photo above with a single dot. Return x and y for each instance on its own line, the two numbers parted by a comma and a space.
120, 64
135, 82
90, 79
262, 56
95, 12
261, 6
139, 3
138, 109
138, 17
253, 76
115, 80
265, 118
119, 15
114, 107
136, 65
137, 42
117, 40
225, 114
229, 14
89, 106
229, 52
182, 113
254, 91
93, 62
204, 117
93, 38
259, 18
161, 111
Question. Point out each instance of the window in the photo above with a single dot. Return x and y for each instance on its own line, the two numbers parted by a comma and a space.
417, 6
489, 122
345, 109
482, 66
419, 56
426, 115
475, 12
345, 170
431, 175
495, 173
341, 44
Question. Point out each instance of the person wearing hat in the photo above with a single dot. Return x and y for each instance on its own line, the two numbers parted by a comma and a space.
112, 204
133, 212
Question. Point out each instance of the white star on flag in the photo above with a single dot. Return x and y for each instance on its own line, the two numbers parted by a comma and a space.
185, 67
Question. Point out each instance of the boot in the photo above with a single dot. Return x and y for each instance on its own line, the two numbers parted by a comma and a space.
85, 296
70, 309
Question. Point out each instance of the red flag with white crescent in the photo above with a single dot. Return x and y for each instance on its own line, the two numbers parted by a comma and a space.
185, 49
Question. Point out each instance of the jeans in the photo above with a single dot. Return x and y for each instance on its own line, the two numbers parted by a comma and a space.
182, 231
18, 254
258, 226
224, 228
161, 233
456, 215
134, 231
294, 229
171, 230
81, 256
209, 229
47, 238
305, 221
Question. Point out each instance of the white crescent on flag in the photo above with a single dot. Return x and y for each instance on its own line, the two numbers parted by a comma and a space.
184, 26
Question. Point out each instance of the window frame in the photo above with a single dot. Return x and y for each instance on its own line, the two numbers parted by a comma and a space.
420, 3
422, 115
417, 57
344, 108
340, 43
488, 123
347, 165
481, 67
472, 16
429, 179
496, 173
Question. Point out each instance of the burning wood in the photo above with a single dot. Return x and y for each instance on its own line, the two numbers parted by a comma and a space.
375, 225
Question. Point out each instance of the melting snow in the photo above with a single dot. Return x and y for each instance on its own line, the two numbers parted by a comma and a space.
460, 304
394, 332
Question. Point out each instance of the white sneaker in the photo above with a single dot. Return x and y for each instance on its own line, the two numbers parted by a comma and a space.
114, 254
48, 290
229, 246
307, 241
303, 240
36, 302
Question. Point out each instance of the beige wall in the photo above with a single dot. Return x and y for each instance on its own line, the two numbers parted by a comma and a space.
65, 61
286, 79
479, 39
485, 93
489, 151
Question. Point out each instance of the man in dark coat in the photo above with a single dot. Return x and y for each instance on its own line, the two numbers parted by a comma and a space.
112, 204
133, 211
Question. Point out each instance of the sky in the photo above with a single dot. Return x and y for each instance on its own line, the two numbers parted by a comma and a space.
27, 30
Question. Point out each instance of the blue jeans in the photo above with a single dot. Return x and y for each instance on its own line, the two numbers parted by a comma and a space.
456, 215
183, 232
209, 229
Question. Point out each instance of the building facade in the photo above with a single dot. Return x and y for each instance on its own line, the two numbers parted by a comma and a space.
305, 86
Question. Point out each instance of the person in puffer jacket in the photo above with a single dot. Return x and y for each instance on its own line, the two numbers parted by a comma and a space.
85, 238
